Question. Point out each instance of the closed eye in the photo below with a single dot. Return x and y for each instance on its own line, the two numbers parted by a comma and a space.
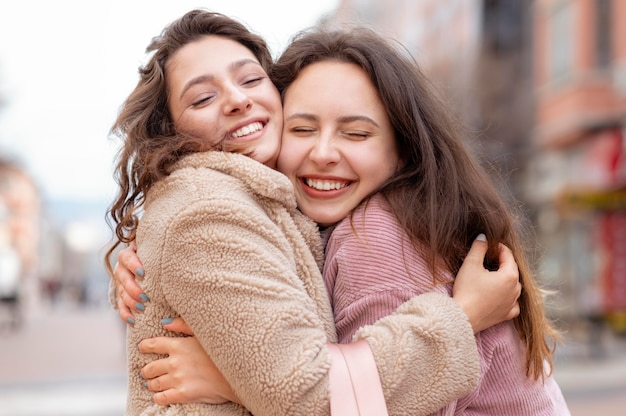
301, 130
358, 135
250, 82
202, 101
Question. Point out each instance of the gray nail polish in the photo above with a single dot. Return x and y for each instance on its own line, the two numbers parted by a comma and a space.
130, 321
140, 306
144, 297
166, 321
139, 272
145, 384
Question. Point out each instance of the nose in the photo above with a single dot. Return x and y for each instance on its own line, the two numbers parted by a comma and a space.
237, 101
325, 150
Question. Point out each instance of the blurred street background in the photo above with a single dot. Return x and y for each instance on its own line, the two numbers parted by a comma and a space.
69, 360
540, 83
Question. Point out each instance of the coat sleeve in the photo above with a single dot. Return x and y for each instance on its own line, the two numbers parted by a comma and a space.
426, 354
231, 275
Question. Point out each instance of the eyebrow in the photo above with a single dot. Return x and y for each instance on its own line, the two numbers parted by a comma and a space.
344, 119
208, 78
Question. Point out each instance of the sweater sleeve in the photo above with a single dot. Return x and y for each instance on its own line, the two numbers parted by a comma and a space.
229, 274
426, 353
371, 268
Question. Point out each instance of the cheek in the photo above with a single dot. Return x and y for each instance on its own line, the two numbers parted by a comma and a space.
376, 164
287, 157
200, 126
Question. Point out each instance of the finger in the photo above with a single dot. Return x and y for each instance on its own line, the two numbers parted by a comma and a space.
159, 383
507, 259
514, 312
156, 368
158, 345
478, 250
130, 302
125, 313
168, 397
129, 260
177, 325
125, 280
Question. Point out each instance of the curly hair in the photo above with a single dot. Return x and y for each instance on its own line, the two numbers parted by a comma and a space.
151, 143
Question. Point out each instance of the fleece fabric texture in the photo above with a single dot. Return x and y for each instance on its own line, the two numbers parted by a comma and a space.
224, 247
372, 267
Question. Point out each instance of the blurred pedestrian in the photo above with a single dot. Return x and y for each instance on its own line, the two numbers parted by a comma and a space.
10, 271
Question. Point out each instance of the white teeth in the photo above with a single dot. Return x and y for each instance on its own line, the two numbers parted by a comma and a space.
250, 128
325, 185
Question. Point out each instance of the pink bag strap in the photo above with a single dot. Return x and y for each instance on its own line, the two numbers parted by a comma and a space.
355, 388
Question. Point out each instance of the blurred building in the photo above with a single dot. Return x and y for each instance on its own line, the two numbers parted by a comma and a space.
544, 82
578, 180
19, 235
53, 248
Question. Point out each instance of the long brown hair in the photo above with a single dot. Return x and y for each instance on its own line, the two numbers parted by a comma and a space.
151, 144
441, 195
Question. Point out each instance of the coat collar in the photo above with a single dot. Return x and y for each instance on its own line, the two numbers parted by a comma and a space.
260, 179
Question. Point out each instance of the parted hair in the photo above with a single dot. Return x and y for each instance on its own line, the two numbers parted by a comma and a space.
151, 144
441, 195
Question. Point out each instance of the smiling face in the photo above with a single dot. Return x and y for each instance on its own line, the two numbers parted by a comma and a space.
219, 92
338, 143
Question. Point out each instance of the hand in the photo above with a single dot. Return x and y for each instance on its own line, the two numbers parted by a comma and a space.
186, 375
178, 325
487, 297
130, 297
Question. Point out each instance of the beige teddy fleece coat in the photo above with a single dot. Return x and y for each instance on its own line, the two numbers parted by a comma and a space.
224, 247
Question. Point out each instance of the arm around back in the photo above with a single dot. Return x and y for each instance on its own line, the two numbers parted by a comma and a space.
426, 354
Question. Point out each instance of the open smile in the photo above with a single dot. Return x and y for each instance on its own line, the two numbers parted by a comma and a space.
246, 130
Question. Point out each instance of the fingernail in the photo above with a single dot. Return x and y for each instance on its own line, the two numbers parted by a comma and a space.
481, 237
166, 321
140, 306
145, 384
139, 272
130, 321
144, 297
140, 375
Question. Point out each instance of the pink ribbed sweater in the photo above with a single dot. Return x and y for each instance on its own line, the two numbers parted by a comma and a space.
370, 273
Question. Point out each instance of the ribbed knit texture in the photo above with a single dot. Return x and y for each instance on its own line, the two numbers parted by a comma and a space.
372, 267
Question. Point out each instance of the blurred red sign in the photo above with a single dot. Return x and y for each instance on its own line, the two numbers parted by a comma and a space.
614, 275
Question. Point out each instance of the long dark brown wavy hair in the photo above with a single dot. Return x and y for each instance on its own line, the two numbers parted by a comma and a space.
151, 144
441, 195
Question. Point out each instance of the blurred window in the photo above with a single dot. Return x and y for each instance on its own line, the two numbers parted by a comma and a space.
603, 33
561, 41
503, 25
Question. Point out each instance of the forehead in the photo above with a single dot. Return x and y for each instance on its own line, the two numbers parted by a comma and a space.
208, 56
333, 84
208, 53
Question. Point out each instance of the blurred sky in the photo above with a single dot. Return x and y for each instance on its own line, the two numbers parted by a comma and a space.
66, 66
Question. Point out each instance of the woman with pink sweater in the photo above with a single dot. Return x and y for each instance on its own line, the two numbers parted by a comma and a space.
384, 167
